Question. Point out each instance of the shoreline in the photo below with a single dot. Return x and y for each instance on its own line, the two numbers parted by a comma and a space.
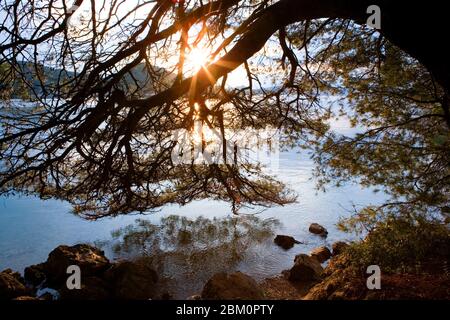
135, 280
323, 274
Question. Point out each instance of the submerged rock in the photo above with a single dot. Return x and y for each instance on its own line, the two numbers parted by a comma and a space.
305, 268
11, 285
286, 242
322, 254
318, 229
91, 261
234, 286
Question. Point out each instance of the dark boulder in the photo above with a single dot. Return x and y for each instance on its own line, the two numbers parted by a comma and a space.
305, 269
91, 261
35, 274
286, 242
92, 288
321, 254
16, 275
234, 286
11, 285
318, 229
132, 280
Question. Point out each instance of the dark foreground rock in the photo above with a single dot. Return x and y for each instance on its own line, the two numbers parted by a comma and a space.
91, 261
321, 254
285, 242
340, 282
280, 288
318, 229
132, 280
35, 274
11, 285
234, 286
305, 268
92, 288
100, 279
26, 298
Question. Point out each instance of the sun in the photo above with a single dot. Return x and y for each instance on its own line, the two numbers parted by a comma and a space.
197, 58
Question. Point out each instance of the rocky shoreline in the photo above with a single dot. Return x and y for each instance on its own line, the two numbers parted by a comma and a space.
133, 280
137, 280
101, 279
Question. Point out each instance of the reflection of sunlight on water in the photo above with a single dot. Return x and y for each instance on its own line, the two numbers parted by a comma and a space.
187, 249
30, 228
187, 252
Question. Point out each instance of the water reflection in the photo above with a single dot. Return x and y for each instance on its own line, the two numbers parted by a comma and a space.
186, 252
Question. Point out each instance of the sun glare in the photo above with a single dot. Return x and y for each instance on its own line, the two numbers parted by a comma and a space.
197, 58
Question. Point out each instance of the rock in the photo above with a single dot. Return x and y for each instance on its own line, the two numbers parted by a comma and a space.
132, 280
286, 242
338, 247
16, 275
35, 274
318, 229
91, 261
305, 269
92, 288
11, 285
234, 286
26, 298
195, 297
322, 254
340, 281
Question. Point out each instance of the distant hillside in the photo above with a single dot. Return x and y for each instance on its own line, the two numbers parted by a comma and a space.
141, 77
49, 76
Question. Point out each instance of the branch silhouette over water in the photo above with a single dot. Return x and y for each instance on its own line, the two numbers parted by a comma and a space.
186, 252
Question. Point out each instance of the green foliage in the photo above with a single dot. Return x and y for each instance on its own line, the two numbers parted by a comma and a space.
403, 141
397, 242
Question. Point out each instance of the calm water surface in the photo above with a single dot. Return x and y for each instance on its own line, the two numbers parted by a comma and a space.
188, 243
